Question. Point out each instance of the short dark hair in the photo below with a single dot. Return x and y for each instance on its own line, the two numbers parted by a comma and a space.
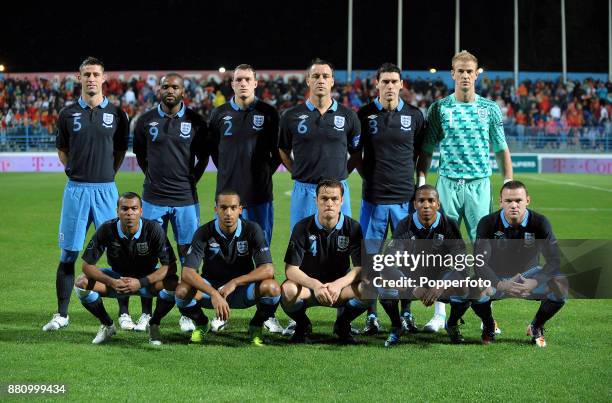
227, 192
172, 74
129, 195
423, 188
514, 185
388, 68
330, 183
91, 61
245, 66
318, 60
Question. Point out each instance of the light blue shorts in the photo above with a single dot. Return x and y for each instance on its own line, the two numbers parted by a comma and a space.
82, 204
185, 219
304, 201
262, 214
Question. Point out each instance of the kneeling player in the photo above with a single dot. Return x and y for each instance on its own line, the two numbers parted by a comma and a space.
318, 265
237, 272
428, 231
133, 246
511, 240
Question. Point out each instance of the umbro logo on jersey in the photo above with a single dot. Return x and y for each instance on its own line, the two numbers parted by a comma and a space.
153, 124
227, 118
303, 117
372, 116
76, 114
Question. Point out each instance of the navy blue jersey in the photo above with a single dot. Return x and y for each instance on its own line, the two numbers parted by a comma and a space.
244, 147
509, 250
325, 254
167, 149
391, 140
131, 257
319, 142
226, 257
91, 137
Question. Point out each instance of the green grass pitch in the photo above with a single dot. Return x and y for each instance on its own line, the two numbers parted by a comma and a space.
575, 366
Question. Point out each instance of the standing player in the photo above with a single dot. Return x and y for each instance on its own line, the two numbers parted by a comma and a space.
244, 148
237, 272
391, 137
511, 240
318, 265
92, 138
134, 247
465, 125
319, 132
170, 145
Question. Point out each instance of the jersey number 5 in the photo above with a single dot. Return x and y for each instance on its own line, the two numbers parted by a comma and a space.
77, 125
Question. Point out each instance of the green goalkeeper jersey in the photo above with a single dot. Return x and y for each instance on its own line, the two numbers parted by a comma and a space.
464, 131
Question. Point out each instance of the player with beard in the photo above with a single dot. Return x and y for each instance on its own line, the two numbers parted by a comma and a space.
170, 145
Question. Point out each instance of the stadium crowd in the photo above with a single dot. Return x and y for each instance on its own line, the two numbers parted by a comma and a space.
538, 115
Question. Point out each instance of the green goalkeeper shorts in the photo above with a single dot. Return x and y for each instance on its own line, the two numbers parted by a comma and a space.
468, 199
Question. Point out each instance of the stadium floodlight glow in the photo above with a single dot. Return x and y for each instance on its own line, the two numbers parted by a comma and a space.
480, 70
1, 67
433, 71
221, 69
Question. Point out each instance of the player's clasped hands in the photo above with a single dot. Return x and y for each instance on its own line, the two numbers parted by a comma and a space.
323, 295
334, 291
517, 286
126, 285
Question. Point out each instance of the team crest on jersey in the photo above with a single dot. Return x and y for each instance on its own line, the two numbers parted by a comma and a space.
529, 239
213, 246
107, 119
482, 114
242, 247
339, 122
185, 129
258, 120
142, 248
438, 239
343, 243
406, 122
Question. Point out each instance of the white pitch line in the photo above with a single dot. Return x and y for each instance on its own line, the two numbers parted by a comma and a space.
580, 185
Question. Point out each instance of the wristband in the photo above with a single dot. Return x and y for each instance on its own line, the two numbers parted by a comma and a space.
144, 282
420, 181
506, 180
